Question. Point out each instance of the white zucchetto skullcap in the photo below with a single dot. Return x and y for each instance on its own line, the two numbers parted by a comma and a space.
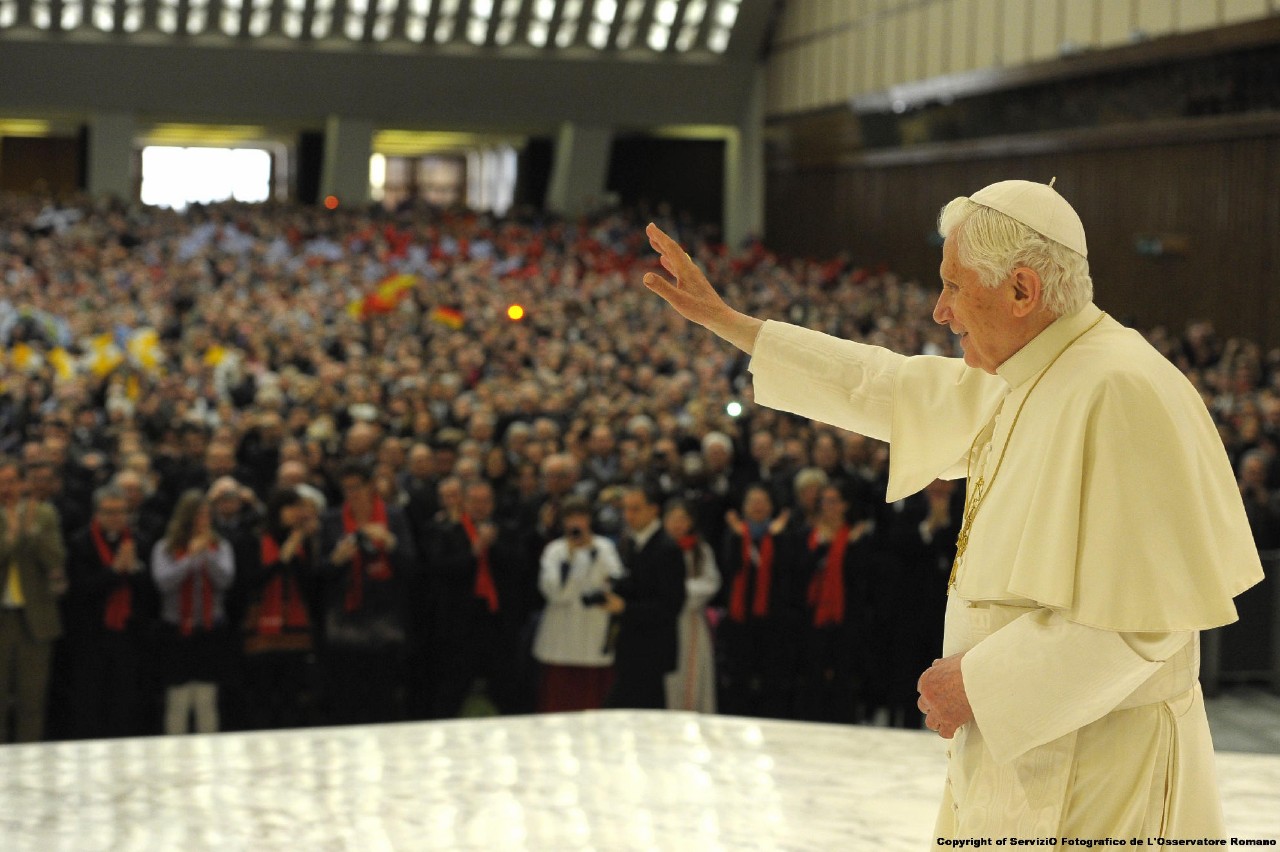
1039, 207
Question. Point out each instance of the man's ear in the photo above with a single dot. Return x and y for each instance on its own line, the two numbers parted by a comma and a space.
1028, 291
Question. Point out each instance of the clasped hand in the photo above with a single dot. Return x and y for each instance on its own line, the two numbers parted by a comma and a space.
942, 697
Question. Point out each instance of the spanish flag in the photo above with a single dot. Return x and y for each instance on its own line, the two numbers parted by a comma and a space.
385, 299
448, 317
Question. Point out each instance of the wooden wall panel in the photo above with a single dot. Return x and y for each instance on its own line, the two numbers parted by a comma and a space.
1080, 21
986, 33
1155, 17
1046, 36
918, 40
1015, 44
962, 34
1234, 11
936, 43
1197, 15
1115, 22
1222, 195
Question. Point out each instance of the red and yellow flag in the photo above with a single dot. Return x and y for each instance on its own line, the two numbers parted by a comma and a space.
448, 317
385, 299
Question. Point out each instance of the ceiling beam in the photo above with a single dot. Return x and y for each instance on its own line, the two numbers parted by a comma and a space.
746, 42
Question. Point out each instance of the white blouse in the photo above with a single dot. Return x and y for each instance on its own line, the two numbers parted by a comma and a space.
570, 633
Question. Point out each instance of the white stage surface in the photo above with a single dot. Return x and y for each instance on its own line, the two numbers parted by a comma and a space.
591, 781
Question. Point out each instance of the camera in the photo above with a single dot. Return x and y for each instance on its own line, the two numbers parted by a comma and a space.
596, 598
364, 544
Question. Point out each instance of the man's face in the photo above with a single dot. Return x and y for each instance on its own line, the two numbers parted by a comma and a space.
41, 483
356, 488
559, 479
757, 506
134, 488
833, 506
112, 514
220, 460
420, 461
716, 458
637, 512
480, 503
978, 314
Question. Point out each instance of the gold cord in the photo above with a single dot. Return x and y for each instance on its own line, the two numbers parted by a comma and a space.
973, 501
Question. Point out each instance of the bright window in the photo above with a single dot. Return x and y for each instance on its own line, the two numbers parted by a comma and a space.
176, 177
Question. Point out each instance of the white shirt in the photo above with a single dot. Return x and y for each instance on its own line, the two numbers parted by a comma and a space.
571, 634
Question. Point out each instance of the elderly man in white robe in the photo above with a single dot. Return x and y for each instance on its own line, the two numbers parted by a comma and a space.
1102, 528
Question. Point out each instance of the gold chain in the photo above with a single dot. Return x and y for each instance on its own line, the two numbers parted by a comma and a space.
973, 501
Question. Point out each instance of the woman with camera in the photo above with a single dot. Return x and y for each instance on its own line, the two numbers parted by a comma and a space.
577, 570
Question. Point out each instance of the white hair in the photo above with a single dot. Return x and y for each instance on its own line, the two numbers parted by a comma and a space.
717, 439
992, 244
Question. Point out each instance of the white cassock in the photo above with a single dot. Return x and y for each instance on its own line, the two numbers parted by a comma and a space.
1113, 533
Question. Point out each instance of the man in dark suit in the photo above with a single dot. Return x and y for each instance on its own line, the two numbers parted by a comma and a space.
110, 605
485, 597
645, 605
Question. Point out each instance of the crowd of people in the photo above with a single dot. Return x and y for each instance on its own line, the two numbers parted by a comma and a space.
270, 466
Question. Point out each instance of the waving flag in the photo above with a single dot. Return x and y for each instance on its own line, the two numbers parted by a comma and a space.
448, 317
388, 295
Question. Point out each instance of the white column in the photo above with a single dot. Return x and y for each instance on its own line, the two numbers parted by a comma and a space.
580, 170
348, 145
744, 170
110, 160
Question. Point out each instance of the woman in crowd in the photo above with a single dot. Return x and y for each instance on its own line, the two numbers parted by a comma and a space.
692, 686
836, 611
577, 568
193, 568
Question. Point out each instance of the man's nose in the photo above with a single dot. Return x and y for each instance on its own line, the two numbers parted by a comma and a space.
942, 310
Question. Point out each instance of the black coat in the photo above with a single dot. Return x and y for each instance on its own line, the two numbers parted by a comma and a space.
654, 592
91, 583
381, 618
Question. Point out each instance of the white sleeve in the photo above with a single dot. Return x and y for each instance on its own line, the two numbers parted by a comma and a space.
610, 561
1043, 676
550, 584
824, 378
706, 584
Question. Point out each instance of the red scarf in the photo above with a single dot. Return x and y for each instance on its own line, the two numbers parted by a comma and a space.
764, 576
687, 542
484, 588
379, 570
281, 602
187, 600
826, 588
120, 601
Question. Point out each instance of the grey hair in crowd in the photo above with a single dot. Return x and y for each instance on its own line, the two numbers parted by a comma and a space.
992, 244
110, 491
808, 476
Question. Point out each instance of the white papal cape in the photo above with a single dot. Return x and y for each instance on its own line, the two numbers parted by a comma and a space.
1113, 533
